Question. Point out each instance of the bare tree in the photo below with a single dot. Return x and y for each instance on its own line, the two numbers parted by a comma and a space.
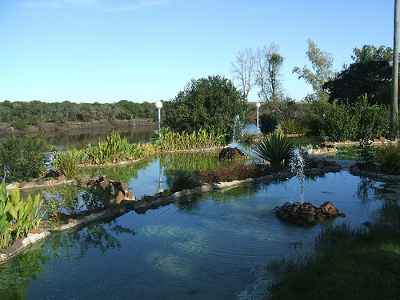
243, 71
268, 77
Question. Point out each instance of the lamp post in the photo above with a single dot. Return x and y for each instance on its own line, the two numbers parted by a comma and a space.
159, 106
258, 104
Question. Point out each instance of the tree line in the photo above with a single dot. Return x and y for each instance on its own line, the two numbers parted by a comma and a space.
36, 112
369, 74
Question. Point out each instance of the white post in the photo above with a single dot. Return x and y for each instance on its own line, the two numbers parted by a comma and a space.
258, 104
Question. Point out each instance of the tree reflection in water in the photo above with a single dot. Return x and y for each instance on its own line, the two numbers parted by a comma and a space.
72, 245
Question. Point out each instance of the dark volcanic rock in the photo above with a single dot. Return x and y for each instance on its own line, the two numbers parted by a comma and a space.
306, 214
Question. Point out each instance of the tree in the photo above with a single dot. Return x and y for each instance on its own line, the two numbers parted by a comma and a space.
321, 72
370, 74
243, 71
207, 103
370, 53
371, 78
268, 67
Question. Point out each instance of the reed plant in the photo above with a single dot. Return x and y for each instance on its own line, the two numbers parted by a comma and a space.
171, 141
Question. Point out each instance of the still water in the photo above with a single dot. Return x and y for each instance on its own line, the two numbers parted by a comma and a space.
197, 248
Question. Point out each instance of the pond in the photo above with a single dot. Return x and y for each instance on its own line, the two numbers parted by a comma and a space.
199, 247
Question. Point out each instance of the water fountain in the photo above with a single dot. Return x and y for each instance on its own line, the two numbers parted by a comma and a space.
297, 164
237, 128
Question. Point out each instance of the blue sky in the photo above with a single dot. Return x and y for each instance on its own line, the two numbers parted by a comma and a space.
109, 50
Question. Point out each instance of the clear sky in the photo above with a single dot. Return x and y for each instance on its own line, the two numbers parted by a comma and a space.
109, 50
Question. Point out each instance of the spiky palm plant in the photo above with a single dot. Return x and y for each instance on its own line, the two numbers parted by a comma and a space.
274, 148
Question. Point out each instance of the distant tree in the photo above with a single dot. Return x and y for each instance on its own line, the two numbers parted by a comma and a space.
268, 77
243, 71
207, 103
321, 71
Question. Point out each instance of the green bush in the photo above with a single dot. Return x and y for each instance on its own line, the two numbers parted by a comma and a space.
22, 158
295, 126
389, 158
268, 123
274, 149
237, 172
19, 125
342, 122
185, 180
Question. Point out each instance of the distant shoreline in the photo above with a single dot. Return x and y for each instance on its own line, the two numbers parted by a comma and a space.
7, 129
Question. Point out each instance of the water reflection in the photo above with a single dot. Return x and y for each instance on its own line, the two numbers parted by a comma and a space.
16, 274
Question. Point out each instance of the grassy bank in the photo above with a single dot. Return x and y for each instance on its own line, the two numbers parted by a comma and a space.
361, 263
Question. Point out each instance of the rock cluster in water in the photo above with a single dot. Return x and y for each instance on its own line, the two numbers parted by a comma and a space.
306, 214
229, 153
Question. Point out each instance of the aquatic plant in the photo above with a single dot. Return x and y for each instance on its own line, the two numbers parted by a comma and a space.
67, 164
186, 141
17, 216
274, 149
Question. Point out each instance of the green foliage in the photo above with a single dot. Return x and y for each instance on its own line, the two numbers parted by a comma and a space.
209, 103
22, 158
237, 172
342, 122
320, 72
339, 123
389, 158
295, 126
17, 216
185, 180
113, 149
185, 141
274, 148
268, 123
68, 165
19, 125
366, 154
34, 112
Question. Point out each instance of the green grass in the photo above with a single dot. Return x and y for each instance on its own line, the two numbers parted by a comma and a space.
347, 263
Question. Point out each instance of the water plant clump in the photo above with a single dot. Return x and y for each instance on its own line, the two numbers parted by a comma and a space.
17, 215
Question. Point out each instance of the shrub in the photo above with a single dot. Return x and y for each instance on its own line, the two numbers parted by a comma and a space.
185, 180
268, 123
22, 158
274, 149
295, 126
19, 125
238, 172
389, 158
